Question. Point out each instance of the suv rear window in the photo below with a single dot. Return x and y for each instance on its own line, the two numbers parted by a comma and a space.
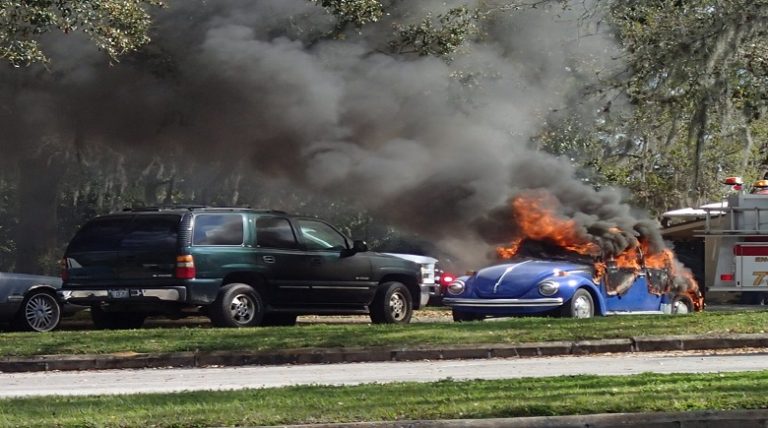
218, 229
134, 232
101, 234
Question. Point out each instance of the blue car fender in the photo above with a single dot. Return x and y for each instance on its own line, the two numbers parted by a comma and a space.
569, 287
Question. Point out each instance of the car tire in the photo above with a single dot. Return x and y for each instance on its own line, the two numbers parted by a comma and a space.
105, 320
40, 311
237, 305
392, 304
681, 305
581, 305
279, 319
459, 316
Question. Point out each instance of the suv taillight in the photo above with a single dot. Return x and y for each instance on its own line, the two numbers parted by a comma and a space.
185, 267
63, 271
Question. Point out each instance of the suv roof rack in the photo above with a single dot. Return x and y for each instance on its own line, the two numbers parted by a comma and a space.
200, 207
164, 207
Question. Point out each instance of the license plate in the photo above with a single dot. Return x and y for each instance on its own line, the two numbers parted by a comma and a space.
119, 293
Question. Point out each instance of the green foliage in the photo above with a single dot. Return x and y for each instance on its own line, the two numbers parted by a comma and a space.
355, 12
437, 36
703, 63
115, 26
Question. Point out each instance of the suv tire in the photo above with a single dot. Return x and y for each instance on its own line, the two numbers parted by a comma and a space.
392, 305
104, 320
40, 311
237, 305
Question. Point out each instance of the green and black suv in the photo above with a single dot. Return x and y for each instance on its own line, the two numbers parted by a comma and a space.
240, 267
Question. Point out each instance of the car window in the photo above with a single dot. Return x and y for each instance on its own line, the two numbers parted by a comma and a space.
101, 234
319, 236
156, 232
218, 229
274, 232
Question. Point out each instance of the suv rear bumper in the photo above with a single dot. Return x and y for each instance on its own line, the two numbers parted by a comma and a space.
127, 295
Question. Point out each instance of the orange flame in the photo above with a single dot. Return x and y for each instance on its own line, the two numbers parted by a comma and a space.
536, 219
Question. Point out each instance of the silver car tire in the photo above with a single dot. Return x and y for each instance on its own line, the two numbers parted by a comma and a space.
40, 312
681, 306
581, 305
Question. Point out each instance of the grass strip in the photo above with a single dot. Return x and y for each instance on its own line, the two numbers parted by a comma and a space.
513, 330
401, 401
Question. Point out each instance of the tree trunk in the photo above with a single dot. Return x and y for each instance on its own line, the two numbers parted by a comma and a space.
37, 249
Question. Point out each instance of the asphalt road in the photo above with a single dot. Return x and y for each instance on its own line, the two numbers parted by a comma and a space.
172, 380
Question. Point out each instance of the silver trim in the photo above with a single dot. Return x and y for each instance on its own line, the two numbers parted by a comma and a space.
12, 299
424, 291
500, 303
508, 270
340, 287
176, 294
634, 313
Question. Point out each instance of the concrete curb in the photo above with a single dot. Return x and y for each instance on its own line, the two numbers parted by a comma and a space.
358, 355
698, 419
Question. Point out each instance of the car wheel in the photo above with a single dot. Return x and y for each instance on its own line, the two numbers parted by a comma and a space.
681, 306
279, 319
392, 304
40, 311
581, 305
238, 305
106, 320
459, 316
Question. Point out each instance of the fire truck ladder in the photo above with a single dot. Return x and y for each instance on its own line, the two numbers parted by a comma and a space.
740, 223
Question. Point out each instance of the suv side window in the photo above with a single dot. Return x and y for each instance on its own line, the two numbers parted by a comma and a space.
319, 236
274, 232
218, 229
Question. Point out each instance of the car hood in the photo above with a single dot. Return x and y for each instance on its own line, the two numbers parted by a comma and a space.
512, 280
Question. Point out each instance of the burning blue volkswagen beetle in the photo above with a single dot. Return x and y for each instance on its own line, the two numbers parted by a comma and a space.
531, 286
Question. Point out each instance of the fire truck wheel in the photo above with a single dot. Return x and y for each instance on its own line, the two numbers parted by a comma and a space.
581, 305
681, 306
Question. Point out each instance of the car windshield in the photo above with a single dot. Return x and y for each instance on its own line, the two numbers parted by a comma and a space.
542, 251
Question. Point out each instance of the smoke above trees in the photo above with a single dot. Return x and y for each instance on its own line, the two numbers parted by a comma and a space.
263, 96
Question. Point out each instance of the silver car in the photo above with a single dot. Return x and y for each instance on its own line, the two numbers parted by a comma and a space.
28, 302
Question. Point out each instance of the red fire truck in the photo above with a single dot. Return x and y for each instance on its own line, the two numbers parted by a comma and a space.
726, 244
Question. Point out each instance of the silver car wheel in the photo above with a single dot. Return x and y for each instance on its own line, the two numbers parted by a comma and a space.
41, 312
679, 307
397, 306
582, 307
242, 309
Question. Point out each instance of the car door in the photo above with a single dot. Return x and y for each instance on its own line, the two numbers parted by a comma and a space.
626, 290
283, 262
336, 274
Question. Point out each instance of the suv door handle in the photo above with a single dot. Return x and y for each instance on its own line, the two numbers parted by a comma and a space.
268, 259
316, 261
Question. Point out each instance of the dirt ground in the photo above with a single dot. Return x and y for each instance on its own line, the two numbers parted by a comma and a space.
81, 320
